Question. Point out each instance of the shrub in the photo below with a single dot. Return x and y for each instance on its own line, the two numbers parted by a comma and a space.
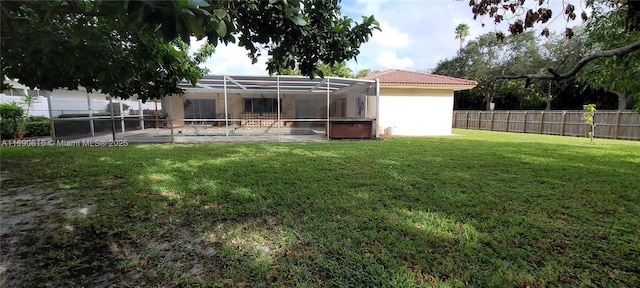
116, 108
37, 126
10, 113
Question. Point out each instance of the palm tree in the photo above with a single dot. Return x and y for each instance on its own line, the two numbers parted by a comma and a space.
462, 32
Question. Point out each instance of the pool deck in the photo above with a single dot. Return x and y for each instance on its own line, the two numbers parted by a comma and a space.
189, 134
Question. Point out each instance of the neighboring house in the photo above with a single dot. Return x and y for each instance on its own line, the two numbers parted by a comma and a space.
417, 104
65, 101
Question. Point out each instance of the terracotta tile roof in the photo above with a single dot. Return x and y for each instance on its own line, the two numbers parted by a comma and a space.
396, 77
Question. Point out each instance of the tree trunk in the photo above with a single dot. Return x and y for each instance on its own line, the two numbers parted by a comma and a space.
488, 98
622, 100
548, 104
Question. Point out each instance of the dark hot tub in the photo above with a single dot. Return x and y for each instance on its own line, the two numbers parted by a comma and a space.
350, 128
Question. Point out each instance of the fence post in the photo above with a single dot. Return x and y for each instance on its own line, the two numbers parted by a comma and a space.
479, 117
541, 121
564, 114
466, 117
615, 129
524, 123
508, 114
491, 128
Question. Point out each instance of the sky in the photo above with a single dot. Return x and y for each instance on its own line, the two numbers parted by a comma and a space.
416, 35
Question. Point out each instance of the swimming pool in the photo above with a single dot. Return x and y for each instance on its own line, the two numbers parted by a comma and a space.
240, 133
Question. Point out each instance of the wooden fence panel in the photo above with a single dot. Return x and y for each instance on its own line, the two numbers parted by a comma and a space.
516, 122
500, 121
533, 122
628, 126
574, 126
552, 123
609, 124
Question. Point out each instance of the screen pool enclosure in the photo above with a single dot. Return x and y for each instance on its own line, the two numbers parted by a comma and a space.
245, 108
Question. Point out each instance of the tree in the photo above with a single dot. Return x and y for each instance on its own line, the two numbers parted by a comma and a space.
138, 47
462, 32
337, 69
604, 30
588, 117
526, 18
485, 58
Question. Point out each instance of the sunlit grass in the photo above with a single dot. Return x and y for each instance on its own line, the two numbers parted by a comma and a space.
481, 209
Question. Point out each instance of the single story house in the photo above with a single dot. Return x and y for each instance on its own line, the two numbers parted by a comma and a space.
410, 103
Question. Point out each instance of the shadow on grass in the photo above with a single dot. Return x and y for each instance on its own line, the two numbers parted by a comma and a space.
402, 212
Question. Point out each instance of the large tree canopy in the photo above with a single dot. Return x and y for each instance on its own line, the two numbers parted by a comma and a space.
139, 47
525, 14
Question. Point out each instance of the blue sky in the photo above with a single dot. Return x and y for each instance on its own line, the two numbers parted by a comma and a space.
415, 35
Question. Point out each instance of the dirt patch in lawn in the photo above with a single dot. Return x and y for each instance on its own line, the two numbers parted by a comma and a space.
37, 228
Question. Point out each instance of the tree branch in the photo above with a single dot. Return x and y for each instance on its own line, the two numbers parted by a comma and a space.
619, 52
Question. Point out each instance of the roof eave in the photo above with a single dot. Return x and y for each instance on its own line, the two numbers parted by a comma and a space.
429, 86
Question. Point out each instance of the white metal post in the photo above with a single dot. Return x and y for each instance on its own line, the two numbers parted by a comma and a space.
141, 114
113, 121
52, 126
366, 104
328, 86
91, 127
121, 117
377, 107
226, 107
279, 123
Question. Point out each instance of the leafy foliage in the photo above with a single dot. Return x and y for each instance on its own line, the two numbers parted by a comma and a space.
10, 114
485, 58
525, 14
462, 32
140, 47
337, 69
605, 30
37, 126
588, 117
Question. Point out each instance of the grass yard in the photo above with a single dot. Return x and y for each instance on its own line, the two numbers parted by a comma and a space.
485, 209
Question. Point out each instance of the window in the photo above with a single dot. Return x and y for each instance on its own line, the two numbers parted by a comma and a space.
200, 109
261, 105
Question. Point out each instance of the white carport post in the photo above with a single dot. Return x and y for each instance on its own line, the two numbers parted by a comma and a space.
113, 121
328, 92
91, 127
278, 92
377, 107
121, 117
226, 107
52, 126
141, 114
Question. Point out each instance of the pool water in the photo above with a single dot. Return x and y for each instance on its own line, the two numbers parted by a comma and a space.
244, 133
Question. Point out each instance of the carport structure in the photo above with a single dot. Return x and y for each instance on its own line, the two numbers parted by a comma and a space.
273, 106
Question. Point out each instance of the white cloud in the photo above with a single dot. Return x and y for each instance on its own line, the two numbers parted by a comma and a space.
390, 37
371, 6
391, 60
233, 59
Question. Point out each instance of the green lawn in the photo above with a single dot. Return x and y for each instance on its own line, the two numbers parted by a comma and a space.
485, 209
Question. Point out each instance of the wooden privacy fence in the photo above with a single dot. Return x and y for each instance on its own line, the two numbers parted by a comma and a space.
610, 124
